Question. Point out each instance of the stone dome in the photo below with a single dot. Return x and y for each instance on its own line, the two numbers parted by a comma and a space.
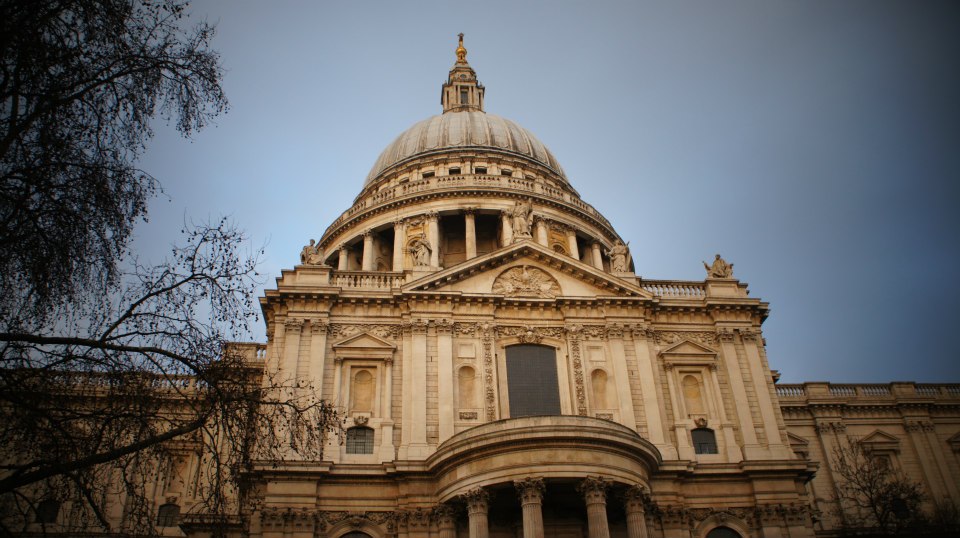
464, 130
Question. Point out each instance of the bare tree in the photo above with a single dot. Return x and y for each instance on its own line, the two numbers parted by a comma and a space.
112, 370
110, 395
80, 82
873, 497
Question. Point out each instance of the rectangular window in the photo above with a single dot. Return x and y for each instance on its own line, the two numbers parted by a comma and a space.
480, 170
427, 175
532, 384
454, 170
506, 172
463, 96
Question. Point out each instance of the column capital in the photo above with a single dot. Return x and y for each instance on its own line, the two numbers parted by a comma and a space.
530, 490
293, 324
343, 246
399, 221
432, 215
443, 326
318, 326
368, 232
477, 500
445, 515
636, 497
594, 489
469, 211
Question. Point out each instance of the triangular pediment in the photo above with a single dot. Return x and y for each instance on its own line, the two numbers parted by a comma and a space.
879, 437
880, 441
797, 442
527, 270
688, 347
364, 341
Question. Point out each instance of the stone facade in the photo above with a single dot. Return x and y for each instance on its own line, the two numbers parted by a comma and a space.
503, 371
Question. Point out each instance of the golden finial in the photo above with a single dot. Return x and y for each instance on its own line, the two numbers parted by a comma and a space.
461, 52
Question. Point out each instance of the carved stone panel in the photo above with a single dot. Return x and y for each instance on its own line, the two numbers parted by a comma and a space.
526, 281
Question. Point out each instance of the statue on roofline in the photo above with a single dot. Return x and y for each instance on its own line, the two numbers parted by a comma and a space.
719, 269
311, 254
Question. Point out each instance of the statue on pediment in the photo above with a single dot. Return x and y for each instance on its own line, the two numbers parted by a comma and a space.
522, 219
618, 257
719, 269
311, 254
420, 250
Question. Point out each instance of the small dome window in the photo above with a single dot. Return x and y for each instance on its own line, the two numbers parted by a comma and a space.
454, 170
480, 169
427, 175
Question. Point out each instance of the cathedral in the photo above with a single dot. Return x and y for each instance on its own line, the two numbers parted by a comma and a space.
502, 371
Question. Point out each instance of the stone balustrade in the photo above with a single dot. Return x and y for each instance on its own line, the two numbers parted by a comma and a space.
675, 289
812, 391
459, 182
367, 280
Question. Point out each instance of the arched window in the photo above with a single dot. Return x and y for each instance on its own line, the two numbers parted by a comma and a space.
167, 515
360, 440
704, 441
47, 511
356, 534
466, 383
598, 380
723, 532
532, 380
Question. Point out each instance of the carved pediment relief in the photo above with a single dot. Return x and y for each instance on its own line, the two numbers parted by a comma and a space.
527, 270
526, 281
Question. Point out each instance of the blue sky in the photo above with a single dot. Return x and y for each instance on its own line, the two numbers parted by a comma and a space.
814, 144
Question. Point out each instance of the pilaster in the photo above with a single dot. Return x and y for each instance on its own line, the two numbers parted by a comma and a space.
399, 242
621, 376
469, 221
751, 447
445, 382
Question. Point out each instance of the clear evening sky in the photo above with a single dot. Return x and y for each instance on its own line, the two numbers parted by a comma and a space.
814, 144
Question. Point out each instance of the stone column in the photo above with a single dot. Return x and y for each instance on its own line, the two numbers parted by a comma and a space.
478, 502
634, 500
312, 371
763, 385
368, 253
469, 221
418, 395
542, 232
399, 241
446, 521
751, 447
621, 376
506, 235
445, 379
594, 491
597, 258
572, 244
344, 251
531, 500
291, 348
433, 220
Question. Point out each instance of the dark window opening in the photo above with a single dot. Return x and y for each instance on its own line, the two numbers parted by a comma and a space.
506, 172
480, 170
360, 440
463, 97
704, 441
454, 170
723, 532
356, 534
427, 174
532, 380
47, 511
167, 515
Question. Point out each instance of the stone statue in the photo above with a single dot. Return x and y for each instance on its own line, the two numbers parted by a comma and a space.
311, 254
719, 269
618, 257
420, 250
522, 219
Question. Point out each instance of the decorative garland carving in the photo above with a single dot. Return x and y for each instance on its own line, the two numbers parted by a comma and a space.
486, 339
705, 338
529, 334
526, 281
341, 330
575, 332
